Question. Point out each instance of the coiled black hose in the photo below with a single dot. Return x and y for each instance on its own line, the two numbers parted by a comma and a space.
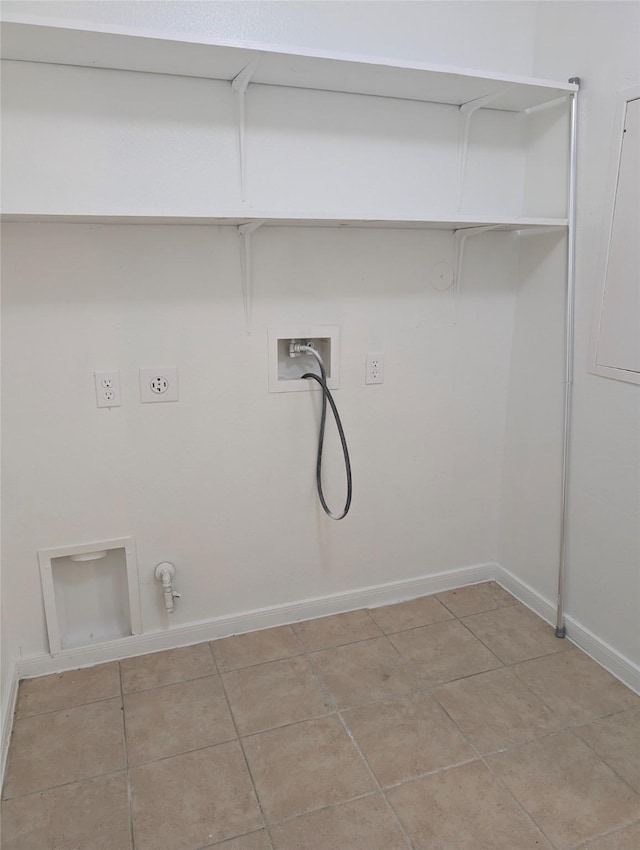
326, 396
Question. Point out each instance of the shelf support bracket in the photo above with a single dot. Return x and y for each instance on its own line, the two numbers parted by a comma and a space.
539, 231
467, 111
548, 104
245, 231
459, 239
239, 86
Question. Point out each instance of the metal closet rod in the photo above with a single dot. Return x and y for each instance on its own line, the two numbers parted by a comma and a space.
569, 354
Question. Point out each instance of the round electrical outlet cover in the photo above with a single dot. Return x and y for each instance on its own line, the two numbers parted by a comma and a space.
159, 384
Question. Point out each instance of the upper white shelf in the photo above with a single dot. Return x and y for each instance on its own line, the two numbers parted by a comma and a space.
128, 49
271, 219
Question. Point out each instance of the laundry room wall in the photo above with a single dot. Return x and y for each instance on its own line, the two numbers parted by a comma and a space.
597, 42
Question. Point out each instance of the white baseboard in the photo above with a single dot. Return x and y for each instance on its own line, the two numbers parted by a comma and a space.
8, 708
619, 665
539, 604
250, 621
308, 609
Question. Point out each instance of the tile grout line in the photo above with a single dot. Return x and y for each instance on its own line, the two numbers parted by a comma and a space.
324, 688
255, 734
121, 692
411, 667
382, 634
305, 651
71, 781
521, 679
46, 790
602, 759
518, 803
293, 627
508, 665
488, 610
424, 688
385, 699
484, 761
70, 707
474, 635
569, 725
428, 688
359, 751
502, 664
423, 685
518, 744
235, 838
566, 728
378, 785
608, 832
514, 747
168, 684
242, 750
392, 786
126, 755
364, 760
182, 753
481, 758
326, 807
333, 702
258, 663
366, 611
495, 654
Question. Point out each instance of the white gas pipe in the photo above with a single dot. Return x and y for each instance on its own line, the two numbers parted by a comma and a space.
165, 573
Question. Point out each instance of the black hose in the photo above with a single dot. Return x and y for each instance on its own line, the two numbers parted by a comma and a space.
326, 396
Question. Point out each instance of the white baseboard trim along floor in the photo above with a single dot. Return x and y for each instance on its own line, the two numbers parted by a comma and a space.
277, 615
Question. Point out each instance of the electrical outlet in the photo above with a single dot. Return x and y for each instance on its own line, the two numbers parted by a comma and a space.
375, 368
158, 383
107, 388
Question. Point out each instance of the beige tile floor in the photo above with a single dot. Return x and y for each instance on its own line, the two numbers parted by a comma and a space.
451, 722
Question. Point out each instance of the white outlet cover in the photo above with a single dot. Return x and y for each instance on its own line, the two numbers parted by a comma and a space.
107, 384
374, 373
158, 384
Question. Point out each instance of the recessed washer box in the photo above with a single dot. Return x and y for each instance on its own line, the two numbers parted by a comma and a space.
90, 593
285, 372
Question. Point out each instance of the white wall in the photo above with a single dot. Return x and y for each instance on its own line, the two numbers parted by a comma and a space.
222, 483
492, 36
92, 141
599, 43
83, 305
83, 298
